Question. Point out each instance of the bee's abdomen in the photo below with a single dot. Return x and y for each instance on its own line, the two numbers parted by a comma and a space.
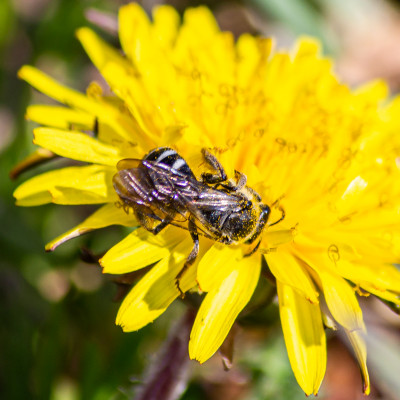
169, 157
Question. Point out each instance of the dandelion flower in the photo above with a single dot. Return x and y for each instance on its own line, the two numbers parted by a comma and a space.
325, 154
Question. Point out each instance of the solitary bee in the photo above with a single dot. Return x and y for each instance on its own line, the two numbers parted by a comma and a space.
162, 189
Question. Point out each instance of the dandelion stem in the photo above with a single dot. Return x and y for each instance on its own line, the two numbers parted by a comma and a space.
166, 378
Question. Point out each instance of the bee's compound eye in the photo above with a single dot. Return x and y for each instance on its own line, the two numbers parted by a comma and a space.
265, 210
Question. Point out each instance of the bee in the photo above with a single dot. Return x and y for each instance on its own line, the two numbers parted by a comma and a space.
161, 189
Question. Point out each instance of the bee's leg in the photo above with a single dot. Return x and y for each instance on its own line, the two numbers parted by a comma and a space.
276, 204
251, 252
211, 160
280, 208
163, 224
144, 220
192, 256
221, 176
241, 180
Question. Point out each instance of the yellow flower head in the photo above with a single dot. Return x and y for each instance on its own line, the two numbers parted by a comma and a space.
324, 155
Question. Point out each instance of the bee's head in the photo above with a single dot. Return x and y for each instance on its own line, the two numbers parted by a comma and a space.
260, 221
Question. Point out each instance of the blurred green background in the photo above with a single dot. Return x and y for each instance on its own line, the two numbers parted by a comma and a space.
57, 335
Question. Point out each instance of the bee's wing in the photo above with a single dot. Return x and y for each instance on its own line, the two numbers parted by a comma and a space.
186, 191
128, 163
145, 181
174, 185
217, 200
154, 187
133, 186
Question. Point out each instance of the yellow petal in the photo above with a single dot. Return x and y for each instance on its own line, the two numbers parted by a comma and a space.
107, 215
383, 294
100, 52
307, 46
72, 185
70, 119
221, 306
118, 121
360, 349
123, 80
60, 117
216, 265
140, 249
165, 27
374, 91
339, 295
201, 22
304, 337
342, 301
378, 275
252, 53
288, 270
275, 238
373, 268
151, 296
57, 91
352, 196
76, 145
134, 26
